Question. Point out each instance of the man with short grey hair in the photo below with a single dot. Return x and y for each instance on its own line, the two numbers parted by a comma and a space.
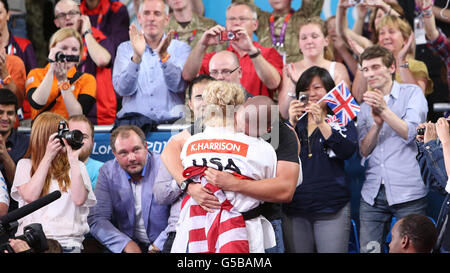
147, 70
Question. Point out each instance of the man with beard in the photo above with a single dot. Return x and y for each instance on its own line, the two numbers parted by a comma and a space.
13, 145
82, 123
122, 219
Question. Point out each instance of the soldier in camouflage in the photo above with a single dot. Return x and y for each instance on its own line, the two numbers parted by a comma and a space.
280, 28
188, 25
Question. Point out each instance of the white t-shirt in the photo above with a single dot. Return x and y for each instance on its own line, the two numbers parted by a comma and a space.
4, 196
61, 220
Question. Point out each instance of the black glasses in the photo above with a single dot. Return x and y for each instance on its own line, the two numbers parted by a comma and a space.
63, 15
225, 72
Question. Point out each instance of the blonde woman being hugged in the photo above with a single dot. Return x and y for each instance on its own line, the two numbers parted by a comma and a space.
48, 166
313, 43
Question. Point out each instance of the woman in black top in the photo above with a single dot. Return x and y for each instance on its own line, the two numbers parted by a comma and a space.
318, 218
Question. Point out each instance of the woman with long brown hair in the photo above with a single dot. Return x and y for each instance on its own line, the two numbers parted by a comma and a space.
47, 166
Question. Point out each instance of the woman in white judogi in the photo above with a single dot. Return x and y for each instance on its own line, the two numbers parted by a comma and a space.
222, 148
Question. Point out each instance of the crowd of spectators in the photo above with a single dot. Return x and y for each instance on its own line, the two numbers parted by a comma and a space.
134, 65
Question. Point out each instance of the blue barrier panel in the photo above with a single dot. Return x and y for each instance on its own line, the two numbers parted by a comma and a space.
156, 141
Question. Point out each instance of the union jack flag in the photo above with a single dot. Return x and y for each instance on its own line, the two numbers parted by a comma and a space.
342, 103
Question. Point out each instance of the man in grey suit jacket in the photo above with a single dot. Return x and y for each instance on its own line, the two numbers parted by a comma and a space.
126, 217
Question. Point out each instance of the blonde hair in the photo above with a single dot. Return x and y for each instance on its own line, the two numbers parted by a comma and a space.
316, 20
64, 33
400, 24
43, 126
220, 98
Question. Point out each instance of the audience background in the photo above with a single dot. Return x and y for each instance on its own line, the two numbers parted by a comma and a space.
214, 9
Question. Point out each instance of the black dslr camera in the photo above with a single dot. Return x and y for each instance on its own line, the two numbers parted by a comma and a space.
421, 131
33, 235
74, 137
61, 57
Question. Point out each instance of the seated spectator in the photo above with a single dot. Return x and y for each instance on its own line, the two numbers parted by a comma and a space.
123, 220
147, 71
96, 58
13, 144
220, 97
188, 26
279, 29
261, 66
50, 165
103, 26
314, 45
414, 233
395, 34
80, 122
59, 87
318, 217
435, 173
4, 196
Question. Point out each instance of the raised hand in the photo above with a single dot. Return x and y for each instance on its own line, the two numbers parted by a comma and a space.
137, 42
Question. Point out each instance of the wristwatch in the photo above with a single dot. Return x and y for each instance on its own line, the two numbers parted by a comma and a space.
87, 32
184, 184
64, 86
405, 65
6, 80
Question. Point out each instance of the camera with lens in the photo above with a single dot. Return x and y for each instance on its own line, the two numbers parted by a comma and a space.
355, 2
228, 36
33, 235
74, 137
304, 98
61, 57
421, 131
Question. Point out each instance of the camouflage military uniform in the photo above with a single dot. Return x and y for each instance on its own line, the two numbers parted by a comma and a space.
192, 33
310, 8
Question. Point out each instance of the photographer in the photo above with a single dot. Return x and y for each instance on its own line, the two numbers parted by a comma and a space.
59, 87
49, 165
433, 141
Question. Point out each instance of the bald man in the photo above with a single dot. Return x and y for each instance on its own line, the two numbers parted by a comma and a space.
273, 191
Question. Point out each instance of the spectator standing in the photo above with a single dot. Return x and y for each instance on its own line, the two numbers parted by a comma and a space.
431, 160
314, 45
279, 28
387, 128
15, 45
187, 25
50, 166
318, 217
127, 217
147, 70
59, 87
96, 58
261, 66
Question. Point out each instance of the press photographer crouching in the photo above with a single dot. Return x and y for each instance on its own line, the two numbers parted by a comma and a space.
433, 142
51, 163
